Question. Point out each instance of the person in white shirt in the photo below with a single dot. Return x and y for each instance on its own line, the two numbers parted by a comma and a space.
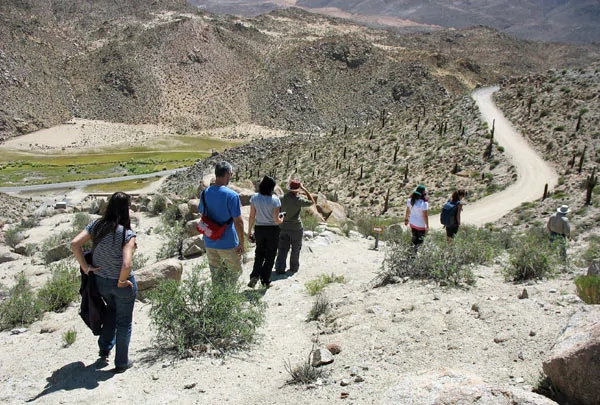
416, 215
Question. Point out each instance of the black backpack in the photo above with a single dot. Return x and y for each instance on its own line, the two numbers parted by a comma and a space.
449, 213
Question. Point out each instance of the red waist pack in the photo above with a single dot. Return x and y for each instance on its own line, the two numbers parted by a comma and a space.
210, 228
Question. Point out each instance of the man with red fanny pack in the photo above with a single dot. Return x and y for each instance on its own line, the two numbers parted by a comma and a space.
221, 204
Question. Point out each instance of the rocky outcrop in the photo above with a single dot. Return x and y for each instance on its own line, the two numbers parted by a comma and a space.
573, 366
150, 276
449, 386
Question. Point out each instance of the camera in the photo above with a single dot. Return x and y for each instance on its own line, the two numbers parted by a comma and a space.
281, 215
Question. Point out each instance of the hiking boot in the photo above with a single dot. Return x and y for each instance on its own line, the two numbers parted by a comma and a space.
253, 281
279, 271
104, 354
124, 368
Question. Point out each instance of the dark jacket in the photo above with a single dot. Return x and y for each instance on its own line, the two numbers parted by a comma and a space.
93, 307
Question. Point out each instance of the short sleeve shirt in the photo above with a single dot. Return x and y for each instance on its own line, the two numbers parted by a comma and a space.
108, 253
264, 206
416, 219
222, 204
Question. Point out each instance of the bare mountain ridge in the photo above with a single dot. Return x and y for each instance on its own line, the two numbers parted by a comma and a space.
569, 21
188, 69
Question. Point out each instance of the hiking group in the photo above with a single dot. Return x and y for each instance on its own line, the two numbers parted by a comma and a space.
274, 225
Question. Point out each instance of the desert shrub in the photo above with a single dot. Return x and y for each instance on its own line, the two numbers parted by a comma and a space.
316, 285
309, 221
13, 236
588, 288
80, 221
321, 306
61, 289
171, 215
533, 256
21, 307
592, 252
196, 314
157, 205
303, 373
436, 260
139, 261
174, 239
69, 337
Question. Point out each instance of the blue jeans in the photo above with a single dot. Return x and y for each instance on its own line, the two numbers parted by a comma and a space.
289, 239
116, 329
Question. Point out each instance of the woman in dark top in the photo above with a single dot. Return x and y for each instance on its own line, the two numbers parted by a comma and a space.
113, 243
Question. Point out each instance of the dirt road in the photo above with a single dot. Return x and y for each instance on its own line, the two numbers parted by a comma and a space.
533, 172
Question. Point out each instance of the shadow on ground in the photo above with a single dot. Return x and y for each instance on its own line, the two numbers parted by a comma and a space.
75, 376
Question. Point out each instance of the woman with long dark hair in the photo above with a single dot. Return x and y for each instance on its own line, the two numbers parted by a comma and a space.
113, 243
264, 211
416, 215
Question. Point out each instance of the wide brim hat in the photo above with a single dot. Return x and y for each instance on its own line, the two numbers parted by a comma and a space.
563, 209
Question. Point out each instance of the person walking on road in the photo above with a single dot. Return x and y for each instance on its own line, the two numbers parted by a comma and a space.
560, 229
113, 243
456, 205
265, 213
416, 215
291, 229
223, 206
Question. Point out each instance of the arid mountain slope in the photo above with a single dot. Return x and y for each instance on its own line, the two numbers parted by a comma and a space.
178, 66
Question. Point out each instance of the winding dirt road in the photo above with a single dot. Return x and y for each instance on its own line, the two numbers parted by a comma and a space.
533, 172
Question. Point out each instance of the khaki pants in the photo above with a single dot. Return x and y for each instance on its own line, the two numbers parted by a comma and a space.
225, 265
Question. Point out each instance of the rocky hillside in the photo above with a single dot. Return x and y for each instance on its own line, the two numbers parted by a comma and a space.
371, 169
558, 111
172, 64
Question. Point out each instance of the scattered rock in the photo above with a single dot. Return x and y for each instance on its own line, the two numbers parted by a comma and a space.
321, 357
524, 294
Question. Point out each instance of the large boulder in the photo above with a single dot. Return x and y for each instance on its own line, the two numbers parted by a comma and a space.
245, 194
150, 276
193, 246
193, 205
58, 252
190, 227
7, 256
573, 366
449, 386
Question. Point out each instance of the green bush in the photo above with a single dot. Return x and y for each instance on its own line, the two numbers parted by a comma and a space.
61, 290
80, 221
21, 307
588, 289
198, 314
309, 221
437, 259
533, 256
592, 252
13, 236
157, 205
315, 286
174, 235
69, 337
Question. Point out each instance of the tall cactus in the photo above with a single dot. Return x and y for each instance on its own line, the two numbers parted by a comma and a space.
590, 182
581, 159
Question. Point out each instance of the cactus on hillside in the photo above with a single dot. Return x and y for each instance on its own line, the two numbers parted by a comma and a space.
590, 182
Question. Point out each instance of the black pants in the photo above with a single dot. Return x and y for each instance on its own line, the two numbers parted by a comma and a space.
418, 236
267, 238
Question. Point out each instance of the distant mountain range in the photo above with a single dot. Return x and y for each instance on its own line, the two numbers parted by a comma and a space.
570, 21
